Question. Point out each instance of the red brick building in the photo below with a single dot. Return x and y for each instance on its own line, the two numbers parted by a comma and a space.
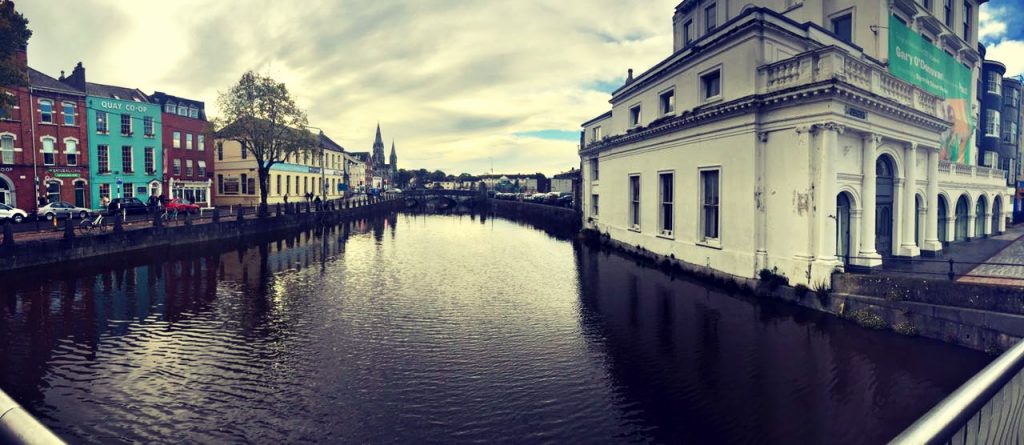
187, 152
42, 143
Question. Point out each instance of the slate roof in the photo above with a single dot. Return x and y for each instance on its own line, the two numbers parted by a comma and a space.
115, 92
41, 81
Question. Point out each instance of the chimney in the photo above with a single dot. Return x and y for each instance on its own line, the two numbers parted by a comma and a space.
77, 77
629, 76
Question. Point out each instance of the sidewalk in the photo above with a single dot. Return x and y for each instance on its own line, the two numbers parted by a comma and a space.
1007, 247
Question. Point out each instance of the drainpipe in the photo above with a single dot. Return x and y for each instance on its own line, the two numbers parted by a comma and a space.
35, 164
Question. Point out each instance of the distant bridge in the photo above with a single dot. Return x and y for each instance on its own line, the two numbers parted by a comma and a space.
442, 197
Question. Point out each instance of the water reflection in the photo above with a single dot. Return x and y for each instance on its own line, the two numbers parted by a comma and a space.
442, 328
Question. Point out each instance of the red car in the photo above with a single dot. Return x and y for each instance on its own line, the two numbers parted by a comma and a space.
180, 207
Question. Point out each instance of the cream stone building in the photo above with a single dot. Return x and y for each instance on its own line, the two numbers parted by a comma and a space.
806, 136
319, 171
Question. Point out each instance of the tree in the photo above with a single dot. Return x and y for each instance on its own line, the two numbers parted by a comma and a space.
437, 176
403, 177
260, 113
14, 35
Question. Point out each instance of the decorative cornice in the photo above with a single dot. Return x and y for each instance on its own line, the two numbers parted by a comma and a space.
872, 137
830, 125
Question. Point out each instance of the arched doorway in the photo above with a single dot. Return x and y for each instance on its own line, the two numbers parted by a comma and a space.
943, 213
6, 193
979, 217
885, 188
79, 193
53, 191
918, 207
961, 218
997, 209
843, 207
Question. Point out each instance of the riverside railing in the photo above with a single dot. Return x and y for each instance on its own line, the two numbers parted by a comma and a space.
950, 269
989, 408
17, 426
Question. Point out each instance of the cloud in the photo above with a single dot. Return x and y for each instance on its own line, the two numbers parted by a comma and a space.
458, 84
990, 25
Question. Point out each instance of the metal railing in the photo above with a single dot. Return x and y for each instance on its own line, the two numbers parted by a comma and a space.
948, 269
989, 408
17, 426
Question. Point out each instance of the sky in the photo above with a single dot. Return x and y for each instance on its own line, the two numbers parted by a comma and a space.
459, 85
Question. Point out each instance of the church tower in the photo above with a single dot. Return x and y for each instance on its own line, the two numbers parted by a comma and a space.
394, 162
377, 158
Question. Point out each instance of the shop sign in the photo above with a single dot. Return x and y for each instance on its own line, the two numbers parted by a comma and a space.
111, 105
65, 172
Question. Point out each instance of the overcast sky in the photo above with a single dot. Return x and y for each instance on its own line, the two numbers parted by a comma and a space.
458, 84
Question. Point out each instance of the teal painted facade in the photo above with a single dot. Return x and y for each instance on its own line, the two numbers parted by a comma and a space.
143, 134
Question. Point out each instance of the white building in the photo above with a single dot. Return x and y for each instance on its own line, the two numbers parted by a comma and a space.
787, 136
356, 172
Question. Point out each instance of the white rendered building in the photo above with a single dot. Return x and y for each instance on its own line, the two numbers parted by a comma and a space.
785, 135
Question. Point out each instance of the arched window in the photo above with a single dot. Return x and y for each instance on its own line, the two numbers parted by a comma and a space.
7, 148
46, 111
49, 155
71, 151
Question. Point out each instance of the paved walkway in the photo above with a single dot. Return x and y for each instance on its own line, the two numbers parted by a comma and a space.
1007, 248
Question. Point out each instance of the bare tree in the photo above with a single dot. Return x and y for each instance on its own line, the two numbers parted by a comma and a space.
261, 114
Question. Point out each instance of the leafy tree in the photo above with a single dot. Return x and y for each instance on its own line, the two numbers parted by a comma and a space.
403, 177
14, 35
260, 113
437, 176
466, 177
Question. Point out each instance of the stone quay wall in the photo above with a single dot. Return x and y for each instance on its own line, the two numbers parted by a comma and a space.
541, 215
36, 253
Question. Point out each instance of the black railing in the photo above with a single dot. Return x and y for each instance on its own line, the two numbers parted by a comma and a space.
949, 268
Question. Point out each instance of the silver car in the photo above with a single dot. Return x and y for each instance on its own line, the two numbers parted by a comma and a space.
10, 213
61, 210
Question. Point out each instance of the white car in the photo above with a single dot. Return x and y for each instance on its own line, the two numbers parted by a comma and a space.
11, 213
61, 210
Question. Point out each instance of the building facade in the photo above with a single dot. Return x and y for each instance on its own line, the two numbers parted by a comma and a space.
356, 169
565, 182
520, 183
188, 160
384, 171
797, 136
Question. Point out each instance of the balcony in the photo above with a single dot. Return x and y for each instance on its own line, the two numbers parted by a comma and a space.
834, 63
974, 174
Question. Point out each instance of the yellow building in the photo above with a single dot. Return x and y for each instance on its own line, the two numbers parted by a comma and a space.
317, 171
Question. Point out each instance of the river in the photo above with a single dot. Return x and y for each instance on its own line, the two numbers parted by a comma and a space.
450, 329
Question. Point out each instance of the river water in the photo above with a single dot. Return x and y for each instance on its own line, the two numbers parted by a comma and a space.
443, 329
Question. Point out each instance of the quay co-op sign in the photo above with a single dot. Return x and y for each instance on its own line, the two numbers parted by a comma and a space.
110, 105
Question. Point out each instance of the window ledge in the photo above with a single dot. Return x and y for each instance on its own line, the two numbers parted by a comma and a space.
668, 237
634, 229
711, 244
713, 99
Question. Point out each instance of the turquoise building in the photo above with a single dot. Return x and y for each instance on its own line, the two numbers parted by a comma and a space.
125, 155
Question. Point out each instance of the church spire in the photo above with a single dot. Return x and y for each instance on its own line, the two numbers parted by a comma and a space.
378, 140
392, 148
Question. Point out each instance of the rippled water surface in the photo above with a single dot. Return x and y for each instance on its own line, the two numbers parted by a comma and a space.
413, 329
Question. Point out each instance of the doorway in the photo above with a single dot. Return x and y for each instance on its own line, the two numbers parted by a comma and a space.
997, 209
80, 194
943, 214
979, 217
885, 187
843, 227
961, 218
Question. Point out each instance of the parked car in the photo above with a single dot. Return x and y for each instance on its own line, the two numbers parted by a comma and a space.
129, 205
177, 206
11, 213
61, 209
565, 200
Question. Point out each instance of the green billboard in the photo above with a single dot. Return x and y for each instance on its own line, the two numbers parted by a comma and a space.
918, 61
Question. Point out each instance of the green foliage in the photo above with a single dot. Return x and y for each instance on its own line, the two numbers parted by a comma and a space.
905, 328
868, 319
896, 294
14, 35
773, 278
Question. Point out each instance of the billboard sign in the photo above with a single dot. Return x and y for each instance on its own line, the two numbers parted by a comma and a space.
915, 60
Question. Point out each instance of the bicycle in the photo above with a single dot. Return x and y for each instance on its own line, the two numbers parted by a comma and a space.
169, 215
87, 225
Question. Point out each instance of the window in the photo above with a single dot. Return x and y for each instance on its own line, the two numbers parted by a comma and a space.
947, 9
220, 184
7, 149
287, 185
169, 108
278, 184
202, 169
245, 184
595, 134
188, 168
634, 116
129, 190
668, 102
667, 184
147, 126
126, 159
927, 4
245, 153
634, 202
53, 191
48, 152
46, 111
594, 205
177, 167
69, 113
688, 32
709, 203
182, 110
103, 159
594, 172
1010, 137
994, 81
967, 21
711, 83
149, 161
252, 186
126, 124
104, 191
992, 123
193, 112
842, 27
71, 151
101, 122
220, 151
188, 141
176, 142
202, 143
710, 17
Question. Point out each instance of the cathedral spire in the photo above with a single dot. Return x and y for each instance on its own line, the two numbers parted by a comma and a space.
378, 140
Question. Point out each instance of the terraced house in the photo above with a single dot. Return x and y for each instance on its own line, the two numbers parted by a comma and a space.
188, 165
124, 141
802, 136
